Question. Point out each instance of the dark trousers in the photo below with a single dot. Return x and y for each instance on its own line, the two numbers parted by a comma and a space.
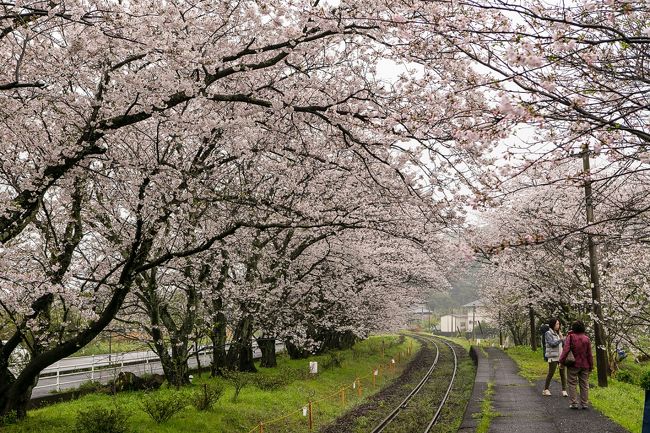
551, 371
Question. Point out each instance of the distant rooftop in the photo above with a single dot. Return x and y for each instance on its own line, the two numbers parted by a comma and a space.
420, 309
477, 303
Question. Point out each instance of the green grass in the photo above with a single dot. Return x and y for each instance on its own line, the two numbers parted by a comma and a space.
487, 411
463, 342
254, 405
635, 369
480, 342
531, 364
101, 347
621, 402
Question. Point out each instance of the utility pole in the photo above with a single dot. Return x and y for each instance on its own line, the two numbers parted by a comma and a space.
473, 323
533, 333
500, 331
601, 355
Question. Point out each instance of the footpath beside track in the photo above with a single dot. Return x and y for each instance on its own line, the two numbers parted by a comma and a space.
519, 406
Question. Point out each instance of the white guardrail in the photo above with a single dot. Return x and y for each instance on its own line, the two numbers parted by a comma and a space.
71, 372
102, 368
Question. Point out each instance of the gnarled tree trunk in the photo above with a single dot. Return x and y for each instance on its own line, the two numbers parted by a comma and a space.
218, 338
240, 353
267, 347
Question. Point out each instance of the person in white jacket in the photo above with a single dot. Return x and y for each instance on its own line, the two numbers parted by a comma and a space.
553, 339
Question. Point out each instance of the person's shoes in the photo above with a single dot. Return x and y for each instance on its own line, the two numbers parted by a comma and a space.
574, 406
546, 392
565, 394
585, 407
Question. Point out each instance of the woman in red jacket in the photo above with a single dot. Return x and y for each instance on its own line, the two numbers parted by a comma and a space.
578, 343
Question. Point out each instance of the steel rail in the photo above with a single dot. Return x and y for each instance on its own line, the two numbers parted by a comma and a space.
435, 418
386, 421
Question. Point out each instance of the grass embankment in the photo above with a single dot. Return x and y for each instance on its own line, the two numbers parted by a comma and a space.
463, 342
621, 402
254, 404
102, 347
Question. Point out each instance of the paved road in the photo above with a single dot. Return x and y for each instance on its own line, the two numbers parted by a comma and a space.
72, 372
48, 384
79, 362
521, 406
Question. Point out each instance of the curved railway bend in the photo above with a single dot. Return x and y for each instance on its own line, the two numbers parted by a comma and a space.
414, 403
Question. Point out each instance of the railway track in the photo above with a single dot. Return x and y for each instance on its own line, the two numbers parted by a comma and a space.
404, 404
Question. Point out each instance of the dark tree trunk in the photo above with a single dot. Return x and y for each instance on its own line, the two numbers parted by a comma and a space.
16, 394
332, 340
218, 325
180, 373
240, 352
267, 347
197, 354
218, 339
246, 360
174, 365
15, 398
533, 330
175, 354
516, 336
294, 351
232, 357
347, 340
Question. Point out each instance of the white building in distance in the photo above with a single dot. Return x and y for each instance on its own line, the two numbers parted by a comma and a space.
470, 316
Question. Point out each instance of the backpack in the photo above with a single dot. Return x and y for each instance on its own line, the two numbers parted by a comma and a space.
542, 331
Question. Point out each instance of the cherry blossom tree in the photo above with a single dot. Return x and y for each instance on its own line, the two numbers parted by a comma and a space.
136, 135
551, 275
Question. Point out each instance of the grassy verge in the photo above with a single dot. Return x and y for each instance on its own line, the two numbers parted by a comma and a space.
487, 411
254, 404
621, 402
531, 364
462, 342
101, 347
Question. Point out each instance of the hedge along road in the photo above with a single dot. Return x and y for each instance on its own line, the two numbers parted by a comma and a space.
71, 372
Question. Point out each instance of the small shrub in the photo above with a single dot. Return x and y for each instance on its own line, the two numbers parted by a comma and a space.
91, 386
644, 382
625, 376
152, 381
102, 420
207, 396
239, 380
374, 346
333, 360
9, 418
161, 406
361, 422
294, 373
271, 383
